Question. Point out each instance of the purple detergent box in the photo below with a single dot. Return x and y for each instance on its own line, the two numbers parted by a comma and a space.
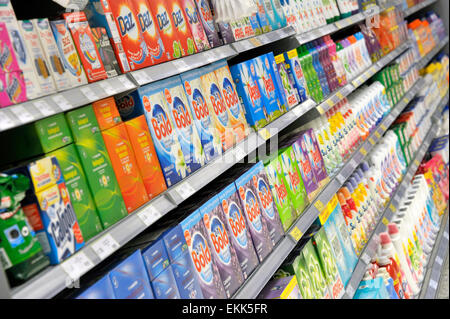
224, 254
266, 203
226, 33
195, 235
308, 175
237, 229
102, 289
155, 258
256, 223
130, 279
315, 157
165, 285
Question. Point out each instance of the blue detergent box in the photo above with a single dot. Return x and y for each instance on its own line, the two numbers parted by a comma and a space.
249, 93
284, 106
295, 71
165, 286
102, 289
130, 279
155, 258
174, 242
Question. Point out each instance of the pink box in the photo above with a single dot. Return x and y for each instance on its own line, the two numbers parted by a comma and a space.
8, 62
12, 88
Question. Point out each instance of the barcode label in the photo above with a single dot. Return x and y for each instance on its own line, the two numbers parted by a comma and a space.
180, 65
77, 265
439, 260
297, 111
105, 246
5, 121
44, 108
149, 215
107, 88
22, 113
89, 94
433, 284
240, 153
62, 102
365, 258
185, 190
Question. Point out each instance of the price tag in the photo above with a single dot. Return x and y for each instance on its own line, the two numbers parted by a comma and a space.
296, 234
210, 56
339, 24
107, 88
377, 135
350, 291
439, 260
433, 284
385, 221
44, 108
339, 95
365, 258
77, 265
341, 179
5, 121
105, 246
264, 133
180, 65
392, 208
383, 127
373, 69
446, 235
149, 215
128, 85
330, 103
185, 190
255, 42
91, 96
22, 113
319, 205
363, 151
62, 102
371, 141
239, 153
320, 110
417, 163
298, 111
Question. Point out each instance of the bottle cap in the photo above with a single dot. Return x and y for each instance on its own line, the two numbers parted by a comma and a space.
393, 229
385, 239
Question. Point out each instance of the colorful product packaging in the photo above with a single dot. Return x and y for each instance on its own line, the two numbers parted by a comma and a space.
306, 171
12, 88
79, 193
106, 113
68, 53
52, 57
295, 71
207, 20
145, 154
182, 119
195, 25
207, 271
102, 289
217, 107
225, 32
231, 99
237, 229
249, 94
106, 52
262, 19
281, 288
203, 120
84, 42
155, 258
165, 286
287, 82
238, 29
125, 167
271, 65
8, 61
315, 157
179, 19
224, 254
314, 269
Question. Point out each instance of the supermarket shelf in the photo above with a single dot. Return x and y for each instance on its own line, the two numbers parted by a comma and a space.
440, 251
418, 7
263, 39
20, 114
426, 59
370, 249
256, 282
336, 26
440, 107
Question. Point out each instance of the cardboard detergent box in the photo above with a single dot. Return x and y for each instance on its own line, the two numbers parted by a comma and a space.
106, 113
315, 272
223, 252
238, 230
206, 17
102, 289
195, 25
110, 63
125, 167
120, 21
206, 269
130, 279
225, 32
306, 171
145, 155
295, 71
271, 66
83, 123
287, 82
12, 88
165, 286
203, 119
179, 19
68, 53
281, 288
52, 56
155, 258
308, 140
79, 193
231, 99
84, 42
8, 61
50, 212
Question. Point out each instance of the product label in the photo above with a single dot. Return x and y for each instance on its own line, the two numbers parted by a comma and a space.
195, 25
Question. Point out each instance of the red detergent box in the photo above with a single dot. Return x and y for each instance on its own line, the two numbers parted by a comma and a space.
84, 41
193, 19
179, 20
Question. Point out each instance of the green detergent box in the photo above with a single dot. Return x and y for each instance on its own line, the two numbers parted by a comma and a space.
315, 272
328, 263
275, 175
79, 193
101, 179
293, 180
83, 123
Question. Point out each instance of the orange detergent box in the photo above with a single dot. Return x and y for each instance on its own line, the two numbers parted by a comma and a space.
124, 164
106, 113
145, 154
150, 31
181, 24
166, 28
87, 50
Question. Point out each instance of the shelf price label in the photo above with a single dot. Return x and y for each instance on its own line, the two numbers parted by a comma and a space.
433, 284
264, 133
383, 127
365, 258
439, 260
319, 205
105, 246
62, 102
417, 163
255, 42
377, 135
298, 111
392, 208
239, 153
149, 215
371, 141
296, 234
126, 83
339, 95
385, 221
107, 88
91, 96
44, 108
22, 113
5, 121
185, 190
330, 103
363, 151
350, 291
77, 265
446, 235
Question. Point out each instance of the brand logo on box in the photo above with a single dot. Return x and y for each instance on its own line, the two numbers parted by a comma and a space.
181, 114
237, 224
178, 18
162, 126
219, 239
127, 23
218, 105
252, 209
163, 20
230, 97
266, 197
201, 256
192, 14
146, 21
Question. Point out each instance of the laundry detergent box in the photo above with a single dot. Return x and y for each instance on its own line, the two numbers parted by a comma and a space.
293, 180
145, 154
315, 157
78, 189
238, 230
84, 42
266, 202
328, 263
20, 50
13, 88
203, 120
8, 61
261, 16
281, 288
83, 123
125, 167
225, 32
306, 171
106, 113
223, 252
271, 65
107, 55
274, 14
165, 286
102, 289
217, 107
283, 202
287, 82
40, 65
235, 109
315, 272
156, 259
206, 17
68, 53
249, 94
295, 71
238, 29
130, 279
52, 56
182, 119
120, 21
179, 19
252, 212
50, 211
195, 24
201, 255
